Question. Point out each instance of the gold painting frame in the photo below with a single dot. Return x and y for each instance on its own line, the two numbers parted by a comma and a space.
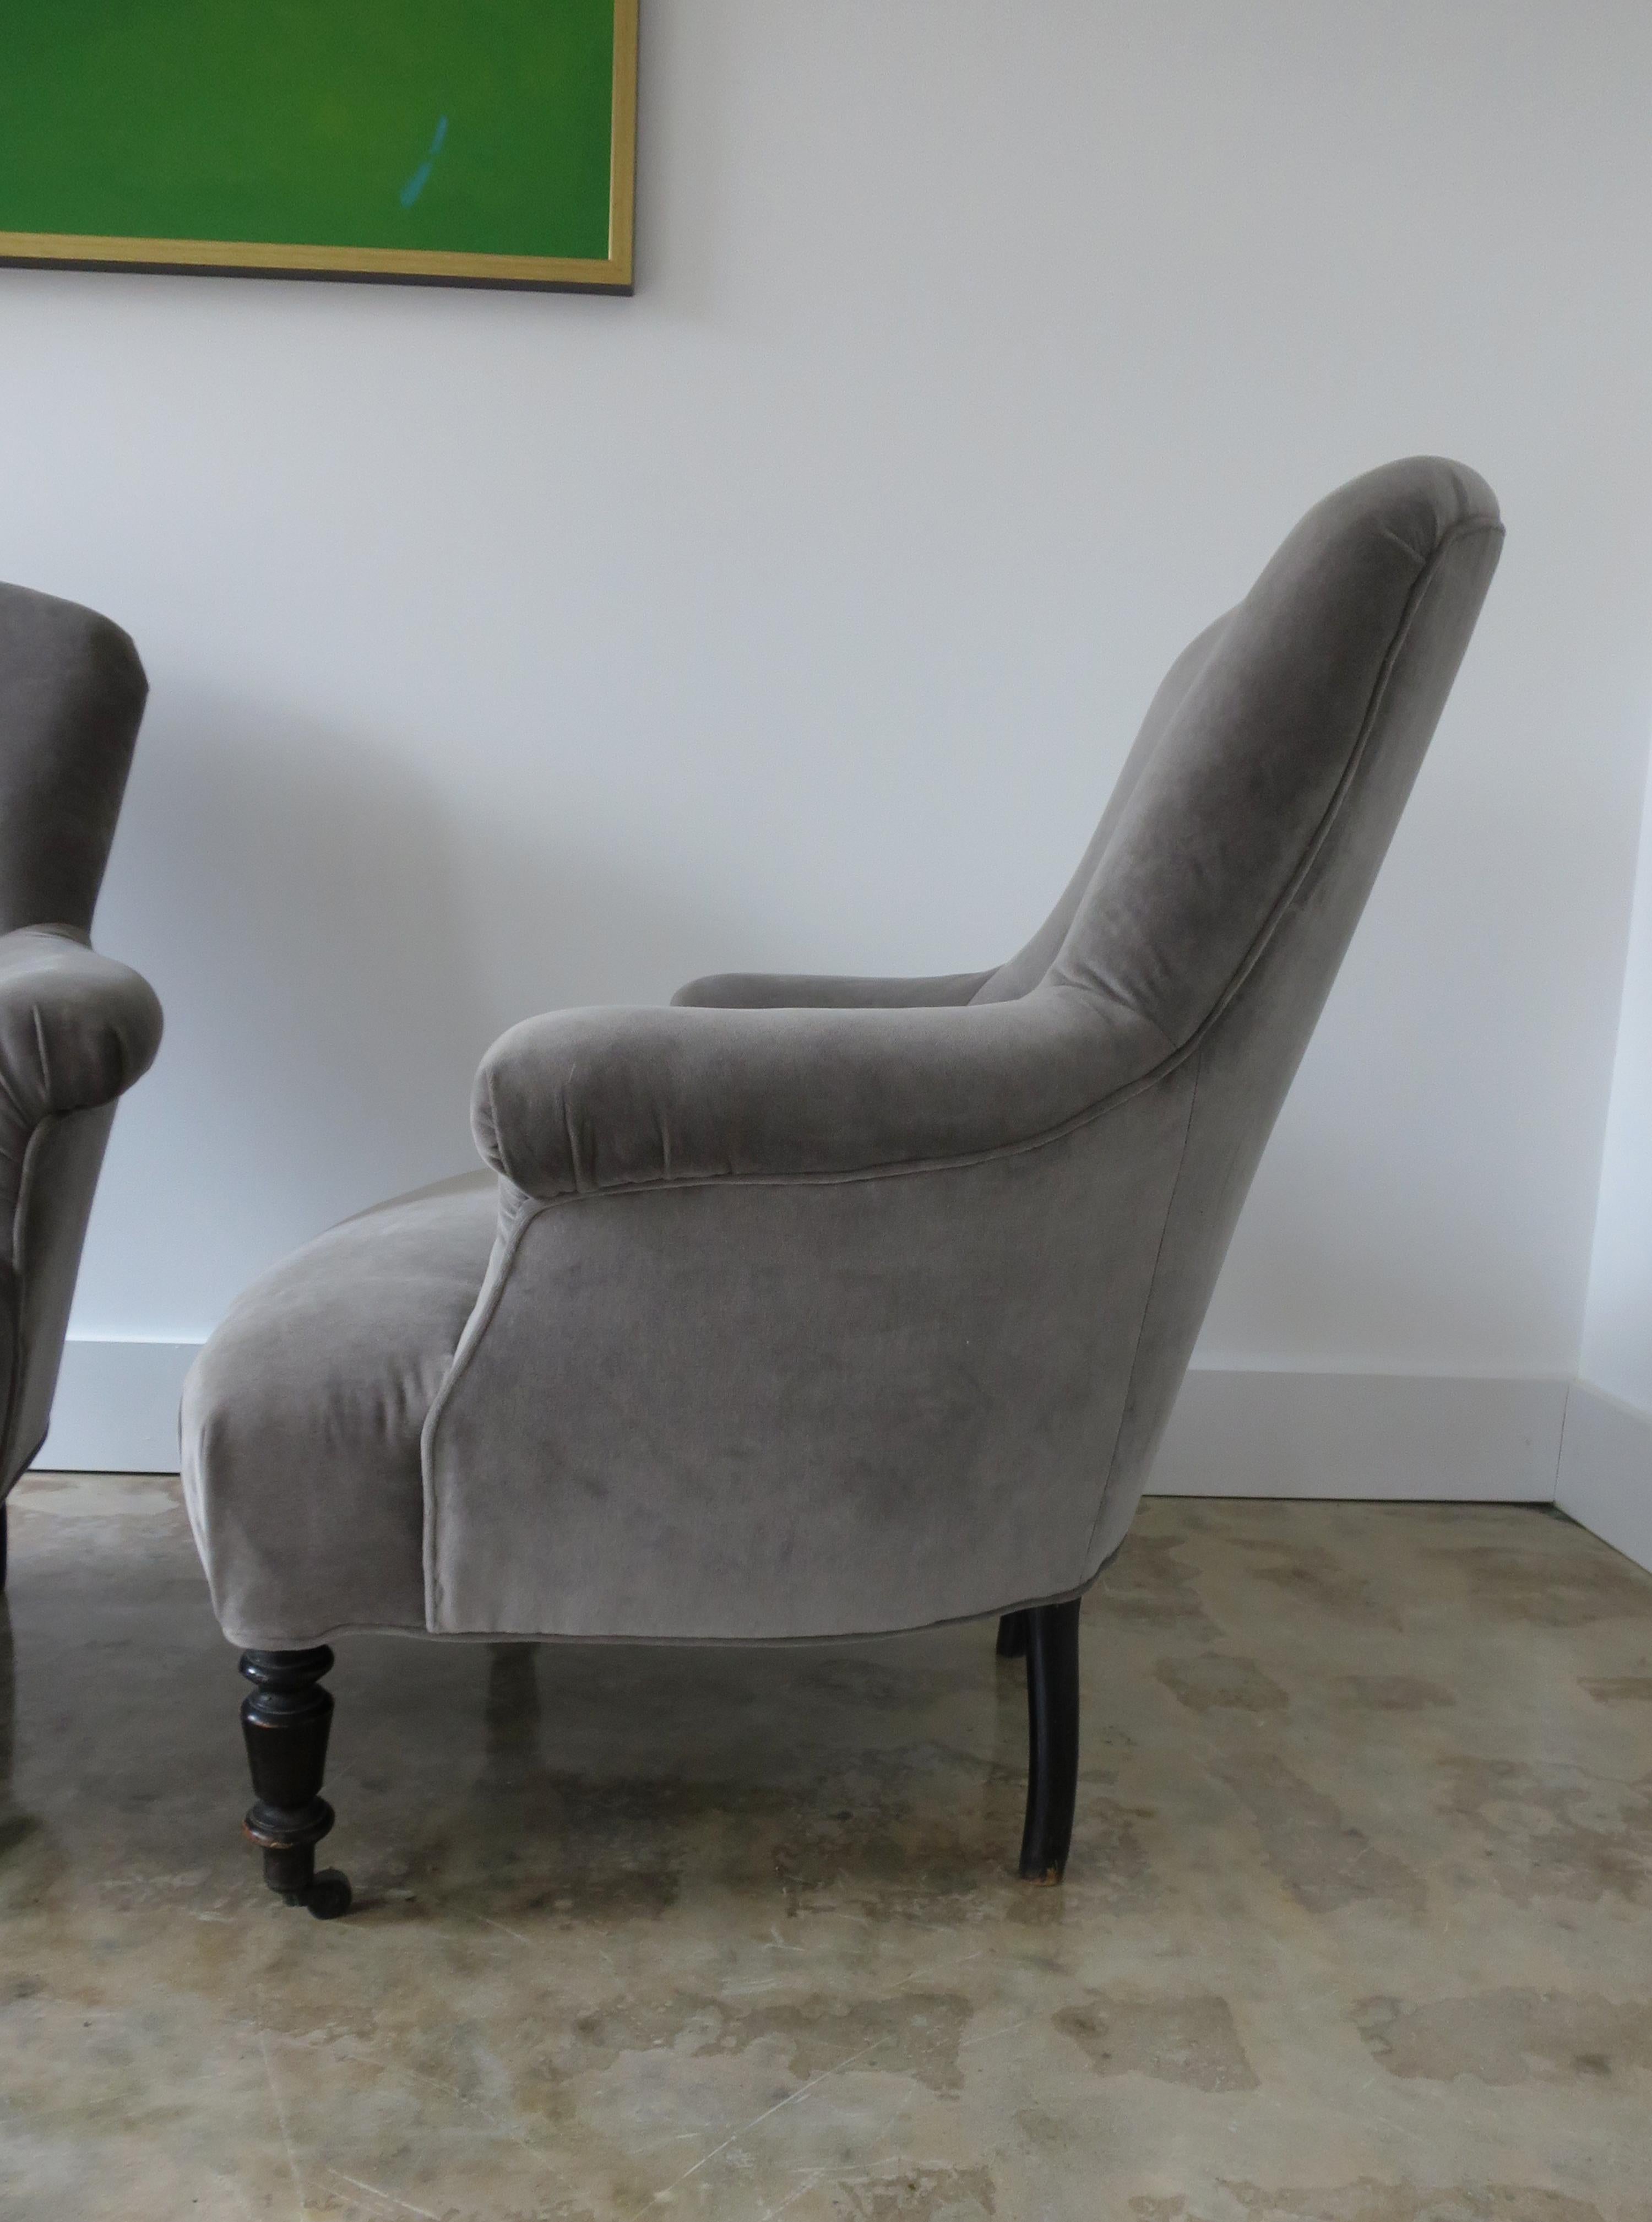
260, 259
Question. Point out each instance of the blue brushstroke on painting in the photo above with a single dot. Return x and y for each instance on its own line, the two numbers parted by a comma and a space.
421, 176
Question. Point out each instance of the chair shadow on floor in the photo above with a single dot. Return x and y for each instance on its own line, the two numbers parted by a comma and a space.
897, 1786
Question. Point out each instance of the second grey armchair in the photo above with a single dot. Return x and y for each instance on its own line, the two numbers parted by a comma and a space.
811, 1308
76, 1029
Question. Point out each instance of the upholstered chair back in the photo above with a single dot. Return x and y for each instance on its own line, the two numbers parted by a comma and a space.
72, 696
1225, 879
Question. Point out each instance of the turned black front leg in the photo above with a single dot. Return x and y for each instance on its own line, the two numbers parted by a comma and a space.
286, 1721
1053, 1738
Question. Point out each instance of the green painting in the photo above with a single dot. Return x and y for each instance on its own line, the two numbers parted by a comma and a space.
478, 141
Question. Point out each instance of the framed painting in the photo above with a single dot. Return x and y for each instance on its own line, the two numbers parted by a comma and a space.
468, 142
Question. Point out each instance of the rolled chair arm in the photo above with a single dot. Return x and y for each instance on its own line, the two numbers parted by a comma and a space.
772, 991
582, 1102
76, 1029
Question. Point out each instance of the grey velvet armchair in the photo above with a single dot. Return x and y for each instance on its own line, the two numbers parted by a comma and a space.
76, 1029
812, 1308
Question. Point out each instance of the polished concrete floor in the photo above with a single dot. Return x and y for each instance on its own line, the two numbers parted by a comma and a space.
1358, 1926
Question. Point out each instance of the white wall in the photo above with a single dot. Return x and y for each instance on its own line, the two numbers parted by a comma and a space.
1617, 1323
512, 652
1606, 1468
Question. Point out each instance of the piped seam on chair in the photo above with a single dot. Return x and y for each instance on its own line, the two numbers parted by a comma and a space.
481, 1317
13, 1263
32, 1148
892, 1169
245, 1639
1147, 1307
885, 1169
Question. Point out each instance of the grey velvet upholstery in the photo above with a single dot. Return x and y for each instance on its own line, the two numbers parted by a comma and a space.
366, 1318
810, 1307
76, 1029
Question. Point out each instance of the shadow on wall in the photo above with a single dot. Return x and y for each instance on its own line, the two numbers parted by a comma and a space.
336, 942
287, 888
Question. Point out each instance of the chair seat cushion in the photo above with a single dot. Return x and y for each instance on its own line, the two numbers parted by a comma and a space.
301, 1419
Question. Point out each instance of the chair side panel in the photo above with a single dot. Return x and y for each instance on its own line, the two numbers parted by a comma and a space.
745, 1410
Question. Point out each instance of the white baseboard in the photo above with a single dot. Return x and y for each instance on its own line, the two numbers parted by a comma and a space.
1605, 1473
1232, 1434
1395, 1435
116, 1411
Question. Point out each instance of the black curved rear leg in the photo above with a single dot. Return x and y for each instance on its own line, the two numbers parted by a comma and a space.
1013, 1635
1053, 1738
